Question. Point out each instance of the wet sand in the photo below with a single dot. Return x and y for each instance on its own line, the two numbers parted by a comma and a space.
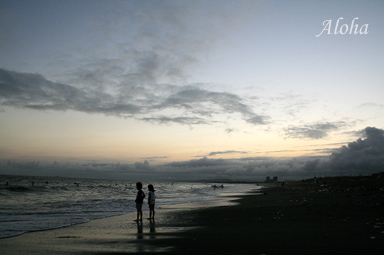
343, 216
113, 235
335, 216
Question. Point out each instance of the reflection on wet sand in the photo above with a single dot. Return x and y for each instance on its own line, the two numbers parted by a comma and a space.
144, 232
152, 230
139, 230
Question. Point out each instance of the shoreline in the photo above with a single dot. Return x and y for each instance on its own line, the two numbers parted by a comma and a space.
343, 215
98, 235
58, 202
336, 216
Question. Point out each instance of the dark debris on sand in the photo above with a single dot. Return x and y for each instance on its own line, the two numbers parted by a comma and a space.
339, 215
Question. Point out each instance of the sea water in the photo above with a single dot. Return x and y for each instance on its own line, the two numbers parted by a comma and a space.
41, 203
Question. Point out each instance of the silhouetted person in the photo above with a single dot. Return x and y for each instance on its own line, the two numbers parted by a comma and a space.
139, 201
151, 201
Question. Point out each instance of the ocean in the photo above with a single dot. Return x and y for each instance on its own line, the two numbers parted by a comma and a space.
41, 203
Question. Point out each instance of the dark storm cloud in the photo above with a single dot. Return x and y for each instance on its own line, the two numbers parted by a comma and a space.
249, 169
361, 155
196, 163
194, 106
315, 131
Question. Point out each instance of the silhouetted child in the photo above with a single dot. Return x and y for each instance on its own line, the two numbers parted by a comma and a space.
139, 201
151, 201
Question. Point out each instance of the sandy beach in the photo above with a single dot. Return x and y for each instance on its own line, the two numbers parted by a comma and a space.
334, 216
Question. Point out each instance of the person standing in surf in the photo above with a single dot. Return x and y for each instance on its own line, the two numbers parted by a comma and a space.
151, 201
139, 201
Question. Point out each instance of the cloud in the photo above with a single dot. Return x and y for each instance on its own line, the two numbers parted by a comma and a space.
229, 130
206, 103
80, 170
291, 104
365, 155
134, 62
214, 153
33, 91
372, 105
154, 158
178, 120
143, 166
244, 169
315, 131
182, 104
249, 169
257, 120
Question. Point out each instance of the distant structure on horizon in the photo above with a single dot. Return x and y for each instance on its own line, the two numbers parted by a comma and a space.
268, 179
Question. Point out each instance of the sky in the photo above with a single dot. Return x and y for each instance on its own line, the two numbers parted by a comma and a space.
191, 90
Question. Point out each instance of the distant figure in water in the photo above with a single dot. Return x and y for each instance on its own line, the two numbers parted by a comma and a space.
139, 201
76, 183
33, 184
151, 201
